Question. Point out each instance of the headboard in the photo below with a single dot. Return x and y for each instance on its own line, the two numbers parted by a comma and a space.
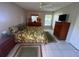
34, 23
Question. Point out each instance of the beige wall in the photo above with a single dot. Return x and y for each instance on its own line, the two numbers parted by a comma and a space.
73, 12
10, 14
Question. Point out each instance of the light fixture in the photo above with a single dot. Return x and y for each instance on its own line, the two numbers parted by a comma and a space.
40, 4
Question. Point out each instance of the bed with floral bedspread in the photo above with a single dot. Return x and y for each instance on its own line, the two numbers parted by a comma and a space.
31, 34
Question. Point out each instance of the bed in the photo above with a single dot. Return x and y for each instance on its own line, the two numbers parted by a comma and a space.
31, 34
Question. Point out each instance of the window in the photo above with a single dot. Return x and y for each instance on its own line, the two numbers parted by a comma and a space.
48, 19
34, 18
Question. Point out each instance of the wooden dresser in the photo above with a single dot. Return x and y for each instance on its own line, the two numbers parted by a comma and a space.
61, 30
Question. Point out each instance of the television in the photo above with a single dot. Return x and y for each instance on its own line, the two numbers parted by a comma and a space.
63, 17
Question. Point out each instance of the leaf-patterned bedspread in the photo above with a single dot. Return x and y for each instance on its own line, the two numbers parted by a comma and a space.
31, 34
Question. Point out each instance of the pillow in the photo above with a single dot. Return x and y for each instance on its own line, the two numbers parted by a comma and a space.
21, 27
13, 29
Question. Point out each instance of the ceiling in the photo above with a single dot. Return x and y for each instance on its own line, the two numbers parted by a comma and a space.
42, 6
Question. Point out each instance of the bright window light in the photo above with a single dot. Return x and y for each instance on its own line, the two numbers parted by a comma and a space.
34, 18
48, 19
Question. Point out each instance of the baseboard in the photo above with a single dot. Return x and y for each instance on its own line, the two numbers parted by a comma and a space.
74, 46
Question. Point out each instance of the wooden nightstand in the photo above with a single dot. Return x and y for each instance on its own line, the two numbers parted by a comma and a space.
6, 44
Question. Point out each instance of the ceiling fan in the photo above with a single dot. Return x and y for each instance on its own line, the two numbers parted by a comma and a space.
46, 6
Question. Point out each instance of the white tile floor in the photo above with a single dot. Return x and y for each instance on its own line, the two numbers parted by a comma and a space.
62, 49
59, 49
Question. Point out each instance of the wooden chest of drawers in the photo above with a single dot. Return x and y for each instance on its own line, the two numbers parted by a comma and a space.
61, 30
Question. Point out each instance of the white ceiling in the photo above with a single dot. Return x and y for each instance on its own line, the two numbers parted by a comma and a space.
44, 6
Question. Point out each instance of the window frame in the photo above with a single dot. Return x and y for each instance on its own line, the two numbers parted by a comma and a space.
50, 20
